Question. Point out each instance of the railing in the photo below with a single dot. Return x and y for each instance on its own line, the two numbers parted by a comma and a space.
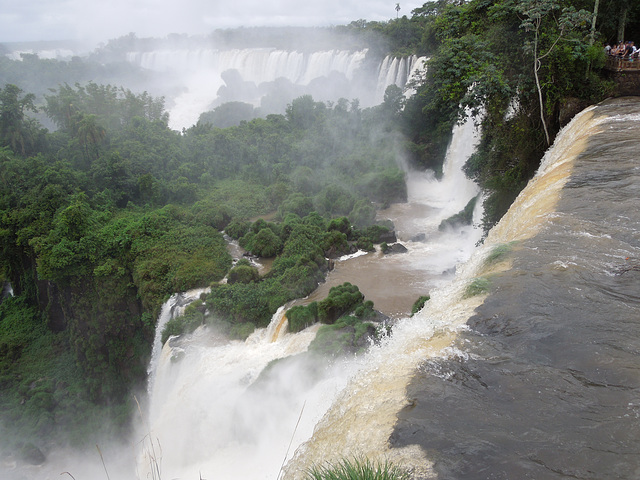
620, 64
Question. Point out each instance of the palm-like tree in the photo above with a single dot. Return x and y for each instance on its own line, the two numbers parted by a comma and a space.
90, 135
16, 131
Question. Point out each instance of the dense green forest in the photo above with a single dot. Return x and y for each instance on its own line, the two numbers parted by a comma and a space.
105, 211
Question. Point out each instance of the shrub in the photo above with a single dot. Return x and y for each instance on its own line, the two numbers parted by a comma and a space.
498, 253
335, 244
192, 318
464, 217
418, 304
301, 317
237, 229
357, 469
265, 243
478, 286
342, 299
341, 224
363, 214
243, 272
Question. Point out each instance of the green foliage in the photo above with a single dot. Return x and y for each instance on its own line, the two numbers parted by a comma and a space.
478, 286
17, 131
419, 304
342, 337
301, 317
357, 469
335, 244
342, 299
341, 224
498, 253
243, 272
228, 114
192, 318
265, 243
464, 217
363, 214
237, 229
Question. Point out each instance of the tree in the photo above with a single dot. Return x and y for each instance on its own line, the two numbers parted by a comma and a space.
90, 135
536, 14
16, 131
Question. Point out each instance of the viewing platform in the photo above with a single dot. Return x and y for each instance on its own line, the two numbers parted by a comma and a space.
620, 64
626, 73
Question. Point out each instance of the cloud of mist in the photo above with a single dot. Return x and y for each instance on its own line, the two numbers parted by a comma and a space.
96, 21
214, 412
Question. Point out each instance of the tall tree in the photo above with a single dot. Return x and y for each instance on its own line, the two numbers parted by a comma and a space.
536, 15
90, 135
16, 131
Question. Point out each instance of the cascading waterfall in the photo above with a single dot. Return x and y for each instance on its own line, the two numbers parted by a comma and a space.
211, 414
326, 75
170, 309
397, 71
547, 385
215, 412
481, 437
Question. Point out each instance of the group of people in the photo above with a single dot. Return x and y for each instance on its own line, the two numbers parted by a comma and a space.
623, 49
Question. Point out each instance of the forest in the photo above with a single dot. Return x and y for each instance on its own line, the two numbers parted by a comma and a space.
105, 211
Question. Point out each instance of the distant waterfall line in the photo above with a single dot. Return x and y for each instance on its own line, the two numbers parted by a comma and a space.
261, 65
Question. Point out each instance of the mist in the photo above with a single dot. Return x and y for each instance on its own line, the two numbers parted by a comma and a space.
93, 21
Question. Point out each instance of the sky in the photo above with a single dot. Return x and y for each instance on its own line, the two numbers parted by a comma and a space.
101, 20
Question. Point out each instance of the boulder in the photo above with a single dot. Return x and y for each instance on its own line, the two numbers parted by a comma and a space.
396, 248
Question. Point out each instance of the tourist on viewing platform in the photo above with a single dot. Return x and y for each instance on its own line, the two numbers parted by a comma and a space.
617, 49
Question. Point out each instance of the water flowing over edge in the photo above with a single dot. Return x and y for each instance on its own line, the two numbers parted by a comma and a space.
362, 418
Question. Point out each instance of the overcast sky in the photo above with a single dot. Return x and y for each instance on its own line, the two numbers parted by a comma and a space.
100, 20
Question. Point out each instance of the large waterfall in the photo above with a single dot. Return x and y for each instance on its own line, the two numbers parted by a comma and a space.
213, 410
270, 78
541, 377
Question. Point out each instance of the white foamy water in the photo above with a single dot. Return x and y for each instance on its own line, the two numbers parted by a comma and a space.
202, 74
210, 412
363, 417
209, 417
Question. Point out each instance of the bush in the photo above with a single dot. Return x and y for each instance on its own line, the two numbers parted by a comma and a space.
301, 317
342, 299
357, 469
192, 318
418, 304
243, 272
237, 229
464, 217
498, 253
265, 243
363, 214
335, 244
478, 286
340, 224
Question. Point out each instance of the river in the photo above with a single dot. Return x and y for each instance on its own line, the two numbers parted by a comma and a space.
540, 378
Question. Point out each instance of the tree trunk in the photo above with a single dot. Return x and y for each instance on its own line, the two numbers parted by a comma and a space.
592, 35
622, 24
536, 66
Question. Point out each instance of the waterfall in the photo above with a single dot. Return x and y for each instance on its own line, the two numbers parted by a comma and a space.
428, 351
172, 308
397, 71
326, 75
224, 409
215, 411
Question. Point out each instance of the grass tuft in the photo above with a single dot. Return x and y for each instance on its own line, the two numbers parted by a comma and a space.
357, 469
478, 286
